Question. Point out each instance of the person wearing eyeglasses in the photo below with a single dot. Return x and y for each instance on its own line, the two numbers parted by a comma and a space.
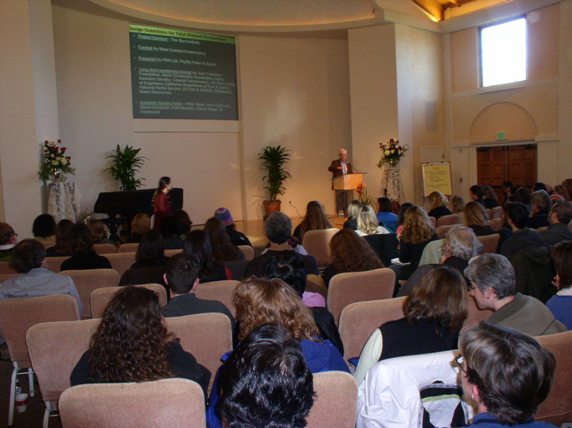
507, 375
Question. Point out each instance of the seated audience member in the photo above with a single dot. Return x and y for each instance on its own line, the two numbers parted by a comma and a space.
559, 189
385, 216
459, 246
131, 344
456, 205
539, 186
171, 231
182, 278
315, 219
434, 314
561, 304
350, 253
524, 194
476, 193
44, 230
8, 239
63, 240
522, 237
493, 286
184, 221
28, 259
199, 244
559, 217
140, 224
223, 249
438, 203
353, 212
278, 228
401, 217
540, 206
367, 223
489, 197
475, 217
568, 186
83, 255
237, 238
506, 373
266, 382
508, 190
99, 232
150, 261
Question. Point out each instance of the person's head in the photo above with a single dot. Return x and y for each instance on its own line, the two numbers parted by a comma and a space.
343, 154
367, 221
288, 266
524, 195
266, 382
7, 234
384, 205
164, 184
475, 214
416, 226
462, 242
222, 247
315, 218
437, 199
184, 221
98, 229
402, 210
516, 215
351, 253
506, 372
568, 185
44, 226
140, 224
81, 239
476, 192
489, 193
540, 201
63, 236
440, 296
28, 254
354, 208
456, 204
182, 273
262, 301
562, 191
539, 186
151, 249
560, 212
562, 257
199, 244
492, 278
223, 214
278, 227
129, 343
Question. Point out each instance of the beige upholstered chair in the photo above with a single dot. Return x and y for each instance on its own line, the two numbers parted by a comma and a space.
223, 291
130, 247
557, 408
448, 220
121, 261
490, 242
16, 316
55, 348
5, 268
174, 403
317, 243
55, 263
475, 314
443, 229
104, 248
359, 320
351, 287
91, 279
206, 336
335, 403
248, 252
100, 297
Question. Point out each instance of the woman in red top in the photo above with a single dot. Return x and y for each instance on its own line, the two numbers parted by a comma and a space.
161, 202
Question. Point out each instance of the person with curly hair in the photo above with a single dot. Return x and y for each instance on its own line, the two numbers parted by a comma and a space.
350, 253
131, 344
315, 219
438, 203
475, 217
434, 315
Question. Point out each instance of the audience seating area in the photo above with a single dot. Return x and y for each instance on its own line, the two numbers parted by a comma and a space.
336, 396
100, 297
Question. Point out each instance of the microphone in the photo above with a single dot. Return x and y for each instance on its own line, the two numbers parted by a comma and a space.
294, 206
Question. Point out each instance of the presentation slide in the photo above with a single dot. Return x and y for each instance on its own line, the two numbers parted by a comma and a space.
182, 75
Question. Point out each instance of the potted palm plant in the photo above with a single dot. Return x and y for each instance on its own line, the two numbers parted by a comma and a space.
273, 160
124, 165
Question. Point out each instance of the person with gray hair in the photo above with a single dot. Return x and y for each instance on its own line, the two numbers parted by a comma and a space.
540, 206
493, 286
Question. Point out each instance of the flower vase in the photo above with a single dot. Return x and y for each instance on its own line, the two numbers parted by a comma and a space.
391, 181
58, 176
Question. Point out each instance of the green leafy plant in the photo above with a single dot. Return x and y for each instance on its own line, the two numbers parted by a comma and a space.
125, 164
273, 160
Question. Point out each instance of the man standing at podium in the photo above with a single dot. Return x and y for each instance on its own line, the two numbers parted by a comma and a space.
339, 167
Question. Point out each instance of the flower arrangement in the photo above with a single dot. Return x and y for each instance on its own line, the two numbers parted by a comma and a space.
391, 152
363, 196
54, 164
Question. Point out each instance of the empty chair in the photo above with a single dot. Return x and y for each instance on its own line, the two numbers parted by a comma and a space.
88, 280
351, 287
121, 261
55, 348
335, 403
16, 316
223, 291
104, 248
100, 297
161, 403
55, 263
448, 220
490, 242
248, 252
317, 243
129, 247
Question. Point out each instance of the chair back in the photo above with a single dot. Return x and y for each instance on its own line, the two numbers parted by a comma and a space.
475, 315
129, 247
351, 287
104, 248
55, 263
18, 315
88, 280
55, 348
443, 229
5, 268
5, 276
101, 297
384, 245
317, 244
496, 212
206, 336
449, 220
556, 408
172, 252
121, 261
496, 224
174, 403
490, 242
222, 291
248, 252
359, 320
335, 403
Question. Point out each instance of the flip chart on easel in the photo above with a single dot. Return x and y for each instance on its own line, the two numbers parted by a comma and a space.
436, 177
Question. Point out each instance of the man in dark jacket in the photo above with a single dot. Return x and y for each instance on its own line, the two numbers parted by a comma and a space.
559, 217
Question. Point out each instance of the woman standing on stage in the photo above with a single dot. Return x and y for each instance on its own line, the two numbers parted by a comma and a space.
161, 202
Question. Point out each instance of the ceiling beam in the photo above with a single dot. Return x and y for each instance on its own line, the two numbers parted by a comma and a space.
432, 7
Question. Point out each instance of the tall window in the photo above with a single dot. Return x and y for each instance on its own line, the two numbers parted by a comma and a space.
503, 53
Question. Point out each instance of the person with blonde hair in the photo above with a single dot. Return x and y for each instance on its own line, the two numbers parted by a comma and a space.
456, 204
438, 203
353, 212
475, 217
367, 223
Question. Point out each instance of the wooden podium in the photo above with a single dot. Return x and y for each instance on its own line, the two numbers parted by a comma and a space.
348, 181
